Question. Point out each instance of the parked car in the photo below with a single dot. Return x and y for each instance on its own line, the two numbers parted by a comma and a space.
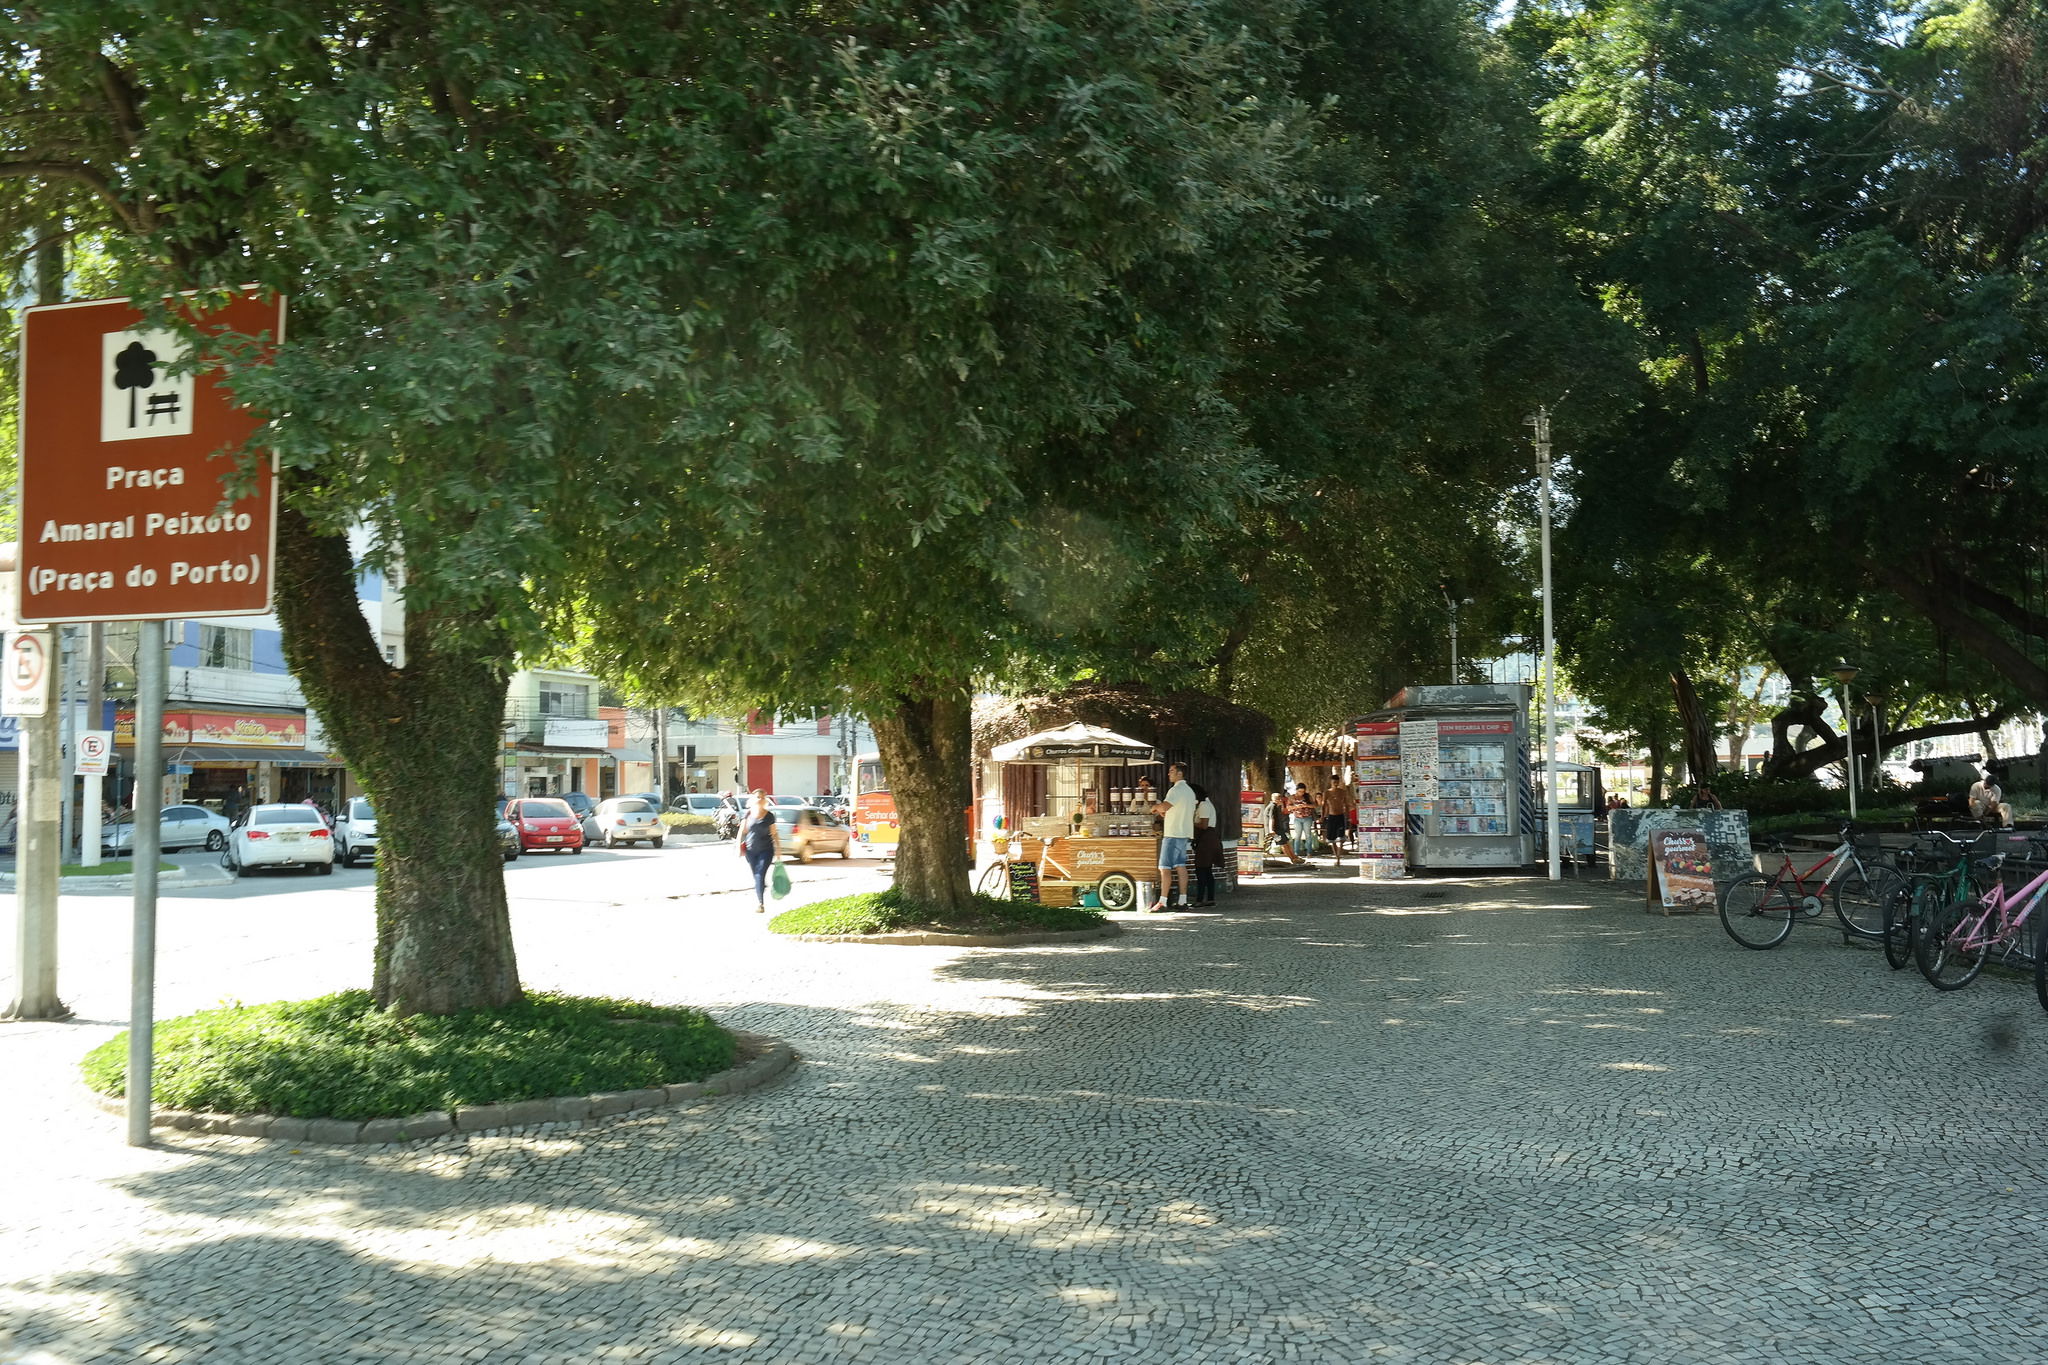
181, 827
699, 803
508, 837
583, 803
624, 820
789, 802
279, 836
545, 822
807, 831
355, 832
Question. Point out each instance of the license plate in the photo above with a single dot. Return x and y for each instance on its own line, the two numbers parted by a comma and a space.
289, 837
554, 838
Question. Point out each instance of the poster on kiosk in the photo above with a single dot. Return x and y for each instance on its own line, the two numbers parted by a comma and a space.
1461, 757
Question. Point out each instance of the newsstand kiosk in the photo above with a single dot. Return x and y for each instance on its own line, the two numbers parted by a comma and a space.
1464, 773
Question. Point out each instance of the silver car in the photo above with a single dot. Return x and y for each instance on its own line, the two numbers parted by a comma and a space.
182, 827
624, 820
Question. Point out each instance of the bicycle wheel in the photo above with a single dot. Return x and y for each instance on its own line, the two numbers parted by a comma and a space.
995, 882
1756, 912
1952, 945
2041, 963
1901, 928
1860, 896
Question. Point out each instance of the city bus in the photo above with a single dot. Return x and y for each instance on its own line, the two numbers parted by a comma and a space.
874, 809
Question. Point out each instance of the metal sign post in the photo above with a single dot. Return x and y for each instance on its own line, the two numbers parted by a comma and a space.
124, 517
145, 848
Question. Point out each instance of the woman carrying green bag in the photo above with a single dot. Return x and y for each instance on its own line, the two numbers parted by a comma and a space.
761, 845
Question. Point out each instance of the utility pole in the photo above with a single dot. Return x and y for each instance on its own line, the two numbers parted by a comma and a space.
1541, 421
38, 826
661, 753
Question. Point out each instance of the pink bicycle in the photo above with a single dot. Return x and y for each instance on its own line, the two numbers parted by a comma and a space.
1957, 940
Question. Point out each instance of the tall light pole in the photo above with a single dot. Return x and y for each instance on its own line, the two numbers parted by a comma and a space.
1452, 606
1876, 773
1845, 673
1541, 422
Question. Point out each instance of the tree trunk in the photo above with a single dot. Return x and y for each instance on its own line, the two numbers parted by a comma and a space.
927, 749
1656, 774
424, 742
1696, 731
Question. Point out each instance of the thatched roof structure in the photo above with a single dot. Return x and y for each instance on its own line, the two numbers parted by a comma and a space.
1190, 722
1321, 746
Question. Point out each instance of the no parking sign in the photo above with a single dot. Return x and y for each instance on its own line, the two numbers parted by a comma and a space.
95, 748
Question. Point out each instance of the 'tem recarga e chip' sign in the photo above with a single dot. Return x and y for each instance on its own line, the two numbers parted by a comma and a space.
123, 459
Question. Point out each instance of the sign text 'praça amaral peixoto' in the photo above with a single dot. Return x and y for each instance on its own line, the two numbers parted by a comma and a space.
124, 457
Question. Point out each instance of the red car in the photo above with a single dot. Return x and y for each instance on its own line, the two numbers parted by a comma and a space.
545, 824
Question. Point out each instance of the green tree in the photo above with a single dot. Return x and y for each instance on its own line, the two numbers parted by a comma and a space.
1000, 442
574, 288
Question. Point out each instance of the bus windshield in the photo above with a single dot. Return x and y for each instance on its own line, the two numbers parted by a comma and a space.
868, 777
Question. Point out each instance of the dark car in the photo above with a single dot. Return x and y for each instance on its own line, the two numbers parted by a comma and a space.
580, 802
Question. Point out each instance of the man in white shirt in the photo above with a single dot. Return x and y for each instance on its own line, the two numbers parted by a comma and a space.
1178, 809
1987, 800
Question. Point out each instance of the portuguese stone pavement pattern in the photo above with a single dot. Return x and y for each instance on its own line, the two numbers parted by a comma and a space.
1490, 1120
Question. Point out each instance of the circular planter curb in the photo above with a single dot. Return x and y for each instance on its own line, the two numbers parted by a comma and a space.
924, 940
775, 1057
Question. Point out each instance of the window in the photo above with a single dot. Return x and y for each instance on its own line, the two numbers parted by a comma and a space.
225, 647
565, 699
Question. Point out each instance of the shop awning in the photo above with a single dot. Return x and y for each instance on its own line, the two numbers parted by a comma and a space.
247, 754
556, 751
1088, 745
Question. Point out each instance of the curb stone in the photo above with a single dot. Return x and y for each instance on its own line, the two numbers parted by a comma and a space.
182, 876
925, 940
771, 1057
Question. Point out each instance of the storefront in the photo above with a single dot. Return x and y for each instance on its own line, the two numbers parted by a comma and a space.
1461, 755
228, 759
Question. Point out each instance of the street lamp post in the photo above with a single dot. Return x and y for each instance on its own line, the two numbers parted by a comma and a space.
1541, 422
1845, 673
1876, 773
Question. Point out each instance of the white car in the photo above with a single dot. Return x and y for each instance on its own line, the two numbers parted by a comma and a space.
280, 836
181, 827
355, 832
624, 820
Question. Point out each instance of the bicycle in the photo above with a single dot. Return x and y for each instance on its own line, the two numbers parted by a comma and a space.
1758, 910
1956, 941
1926, 890
1113, 890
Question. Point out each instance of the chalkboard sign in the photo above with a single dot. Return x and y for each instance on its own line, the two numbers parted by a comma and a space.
1683, 867
1024, 881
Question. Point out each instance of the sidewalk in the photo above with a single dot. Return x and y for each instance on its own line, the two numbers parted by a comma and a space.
1436, 1120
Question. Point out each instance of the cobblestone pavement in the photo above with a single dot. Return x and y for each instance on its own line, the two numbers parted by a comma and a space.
1485, 1121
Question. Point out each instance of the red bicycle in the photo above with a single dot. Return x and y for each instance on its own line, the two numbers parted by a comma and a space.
1758, 910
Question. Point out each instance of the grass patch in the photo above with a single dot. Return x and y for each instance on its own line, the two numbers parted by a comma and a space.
889, 912
341, 1057
689, 823
122, 868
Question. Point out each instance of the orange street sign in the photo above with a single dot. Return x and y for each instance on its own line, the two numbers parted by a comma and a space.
122, 463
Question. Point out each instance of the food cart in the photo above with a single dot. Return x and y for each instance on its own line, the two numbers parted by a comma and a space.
1077, 852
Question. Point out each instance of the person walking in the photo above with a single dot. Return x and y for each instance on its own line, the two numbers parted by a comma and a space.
1177, 814
1207, 851
760, 844
1338, 804
1276, 825
1301, 821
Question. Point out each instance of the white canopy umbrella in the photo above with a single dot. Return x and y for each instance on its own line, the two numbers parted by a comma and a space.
1089, 746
